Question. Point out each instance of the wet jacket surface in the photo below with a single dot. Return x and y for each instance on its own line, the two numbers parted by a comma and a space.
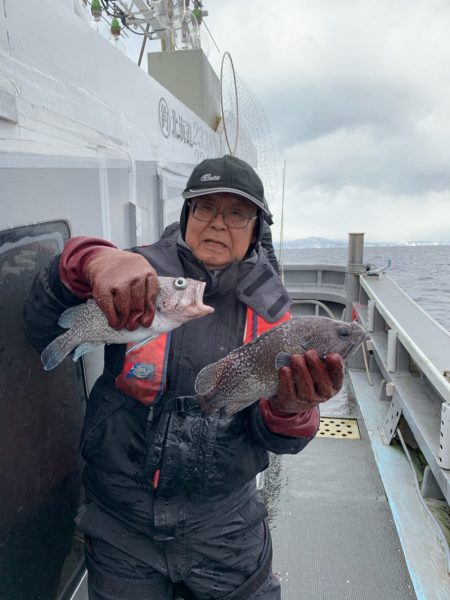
125, 442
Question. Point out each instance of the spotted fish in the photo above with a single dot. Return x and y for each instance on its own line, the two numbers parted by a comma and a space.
251, 372
178, 301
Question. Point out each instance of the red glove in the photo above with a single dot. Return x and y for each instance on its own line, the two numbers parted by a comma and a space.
125, 287
307, 382
123, 284
302, 386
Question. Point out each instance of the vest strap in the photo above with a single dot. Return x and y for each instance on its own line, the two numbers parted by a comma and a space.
255, 325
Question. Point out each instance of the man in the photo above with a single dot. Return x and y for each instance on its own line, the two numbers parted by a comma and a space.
170, 495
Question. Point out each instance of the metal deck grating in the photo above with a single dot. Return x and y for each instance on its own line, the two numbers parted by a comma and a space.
333, 427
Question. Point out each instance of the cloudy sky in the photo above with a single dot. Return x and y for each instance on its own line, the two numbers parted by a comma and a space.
357, 93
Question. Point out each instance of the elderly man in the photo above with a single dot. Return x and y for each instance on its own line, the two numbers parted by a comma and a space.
170, 495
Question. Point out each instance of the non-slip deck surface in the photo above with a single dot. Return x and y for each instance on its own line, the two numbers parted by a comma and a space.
333, 533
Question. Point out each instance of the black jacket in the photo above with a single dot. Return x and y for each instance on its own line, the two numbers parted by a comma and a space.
125, 442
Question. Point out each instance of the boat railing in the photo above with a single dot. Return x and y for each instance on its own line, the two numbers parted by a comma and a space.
320, 289
408, 351
412, 353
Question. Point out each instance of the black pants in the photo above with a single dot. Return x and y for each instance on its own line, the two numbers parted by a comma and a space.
103, 585
222, 556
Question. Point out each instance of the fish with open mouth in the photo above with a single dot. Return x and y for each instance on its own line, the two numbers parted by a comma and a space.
178, 301
251, 372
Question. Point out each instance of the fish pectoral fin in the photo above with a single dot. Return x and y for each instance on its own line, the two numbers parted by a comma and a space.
282, 359
84, 349
139, 344
68, 317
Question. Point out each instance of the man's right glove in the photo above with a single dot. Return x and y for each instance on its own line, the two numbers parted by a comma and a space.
302, 387
307, 382
123, 284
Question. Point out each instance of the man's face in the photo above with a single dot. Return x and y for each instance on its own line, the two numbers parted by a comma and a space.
214, 242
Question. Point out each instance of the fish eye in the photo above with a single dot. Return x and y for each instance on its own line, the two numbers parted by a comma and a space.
344, 332
180, 283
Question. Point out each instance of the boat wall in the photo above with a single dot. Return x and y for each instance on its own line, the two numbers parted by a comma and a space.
95, 87
42, 418
89, 145
86, 135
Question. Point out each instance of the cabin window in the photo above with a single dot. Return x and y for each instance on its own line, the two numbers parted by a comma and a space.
41, 554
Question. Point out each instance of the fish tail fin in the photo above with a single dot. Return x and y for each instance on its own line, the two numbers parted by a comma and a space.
57, 351
206, 383
209, 377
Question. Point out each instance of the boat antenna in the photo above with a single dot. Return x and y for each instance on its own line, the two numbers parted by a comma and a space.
211, 36
144, 41
280, 253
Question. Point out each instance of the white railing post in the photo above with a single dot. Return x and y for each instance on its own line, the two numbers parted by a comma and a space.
355, 266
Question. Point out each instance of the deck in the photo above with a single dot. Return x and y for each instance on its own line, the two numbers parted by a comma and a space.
333, 530
348, 517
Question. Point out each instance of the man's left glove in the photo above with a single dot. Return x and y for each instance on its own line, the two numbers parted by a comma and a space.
123, 284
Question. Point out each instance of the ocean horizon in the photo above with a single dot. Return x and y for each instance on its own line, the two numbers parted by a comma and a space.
318, 242
422, 271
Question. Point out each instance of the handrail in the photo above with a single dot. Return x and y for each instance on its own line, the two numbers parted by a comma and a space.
402, 314
411, 351
323, 306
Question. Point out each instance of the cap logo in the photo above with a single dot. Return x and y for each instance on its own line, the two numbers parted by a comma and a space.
209, 177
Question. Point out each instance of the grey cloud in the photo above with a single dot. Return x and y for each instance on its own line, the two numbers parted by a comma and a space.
356, 93
302, 113
407, 164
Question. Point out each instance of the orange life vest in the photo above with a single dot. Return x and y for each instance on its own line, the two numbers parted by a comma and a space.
144, 371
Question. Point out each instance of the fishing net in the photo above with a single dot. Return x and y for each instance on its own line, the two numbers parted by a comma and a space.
245, 130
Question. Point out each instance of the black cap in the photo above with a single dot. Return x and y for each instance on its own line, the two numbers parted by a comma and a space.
227, 174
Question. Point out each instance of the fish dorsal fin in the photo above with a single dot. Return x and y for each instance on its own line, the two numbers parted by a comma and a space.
140, 344
68, 317
209, 377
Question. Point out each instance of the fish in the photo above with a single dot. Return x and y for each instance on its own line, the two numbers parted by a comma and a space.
250, 372
178, 301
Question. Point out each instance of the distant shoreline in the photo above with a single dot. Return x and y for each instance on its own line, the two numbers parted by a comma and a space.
314, 243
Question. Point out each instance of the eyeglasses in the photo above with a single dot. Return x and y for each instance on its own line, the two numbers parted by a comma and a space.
233, 217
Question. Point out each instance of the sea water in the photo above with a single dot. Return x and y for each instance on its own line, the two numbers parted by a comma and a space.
423, 272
